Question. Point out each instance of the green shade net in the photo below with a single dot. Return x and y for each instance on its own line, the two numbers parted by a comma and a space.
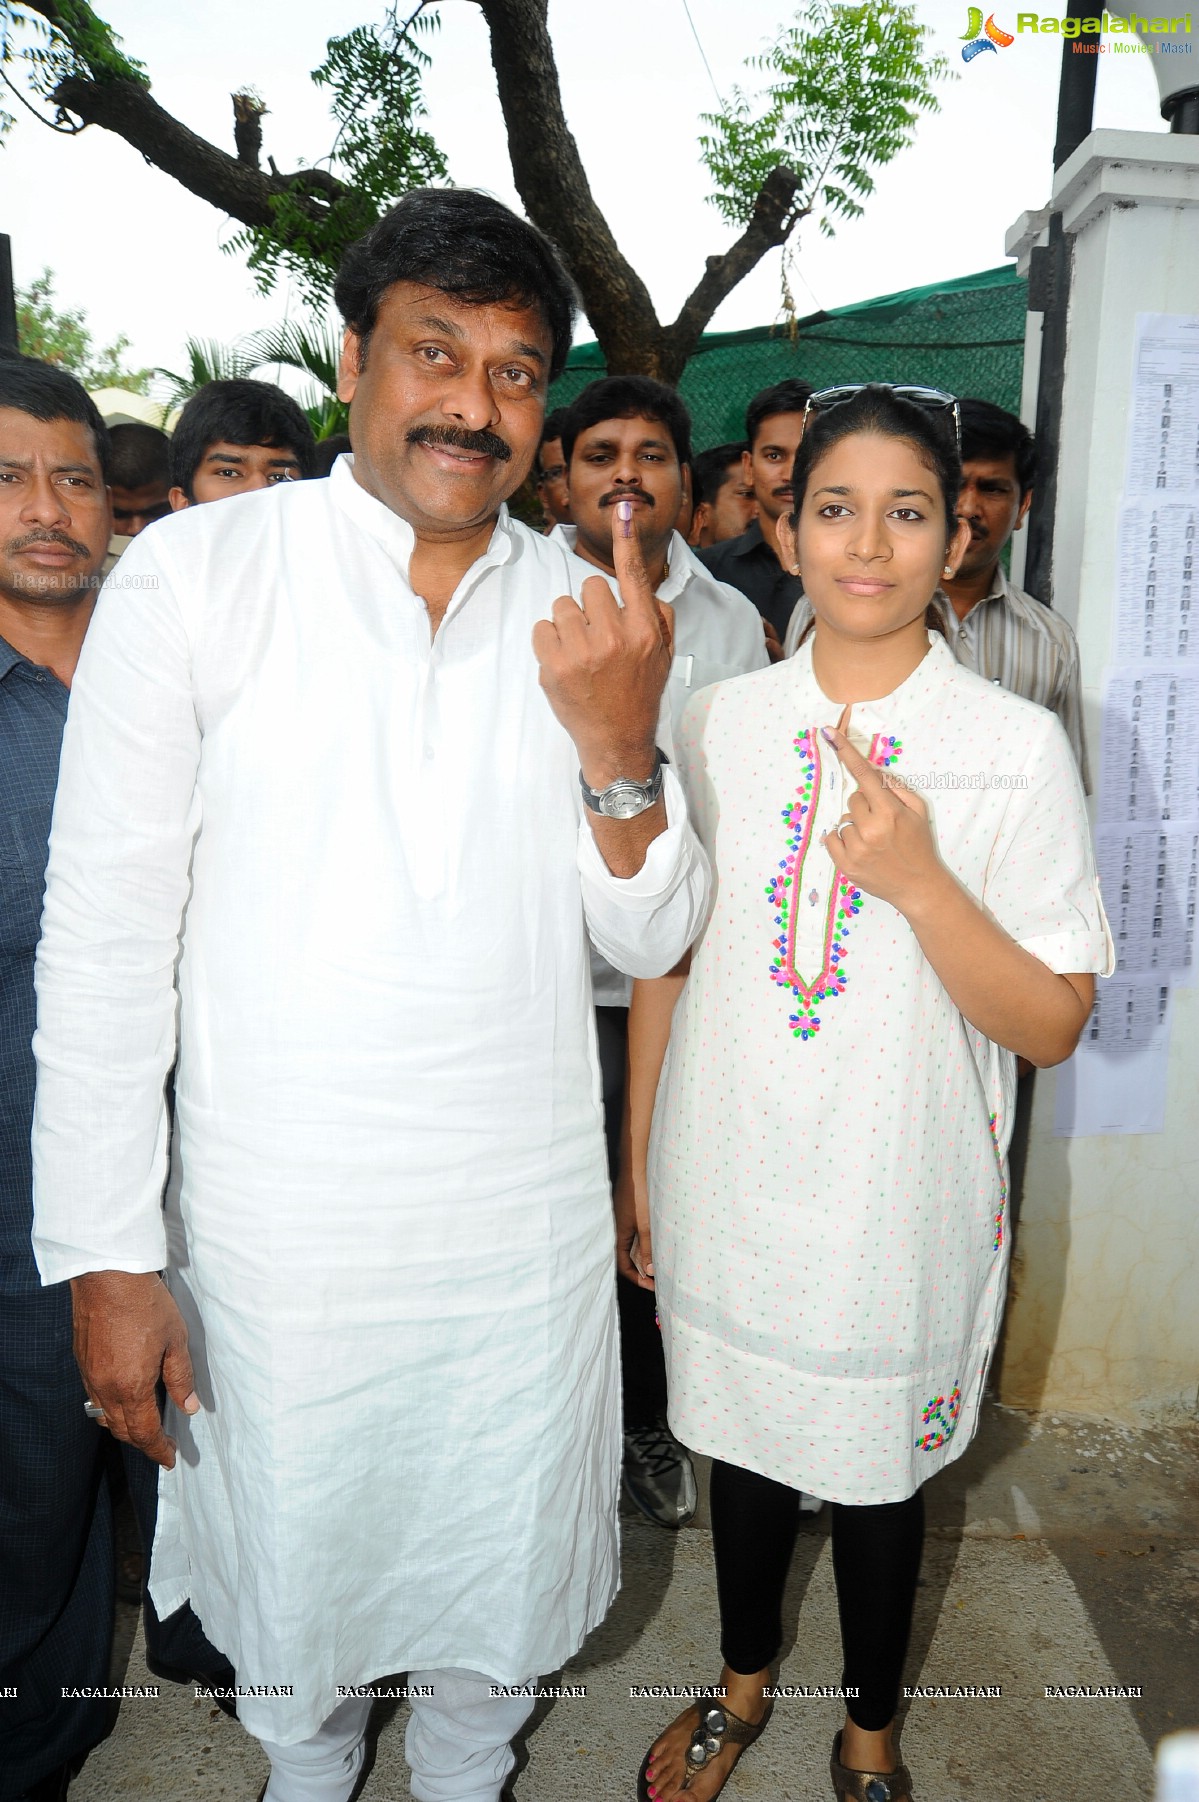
966, 336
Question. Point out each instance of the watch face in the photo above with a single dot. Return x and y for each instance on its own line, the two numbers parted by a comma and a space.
624, 800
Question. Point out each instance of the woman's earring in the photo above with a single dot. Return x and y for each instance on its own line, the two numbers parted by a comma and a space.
948, 570
795, 569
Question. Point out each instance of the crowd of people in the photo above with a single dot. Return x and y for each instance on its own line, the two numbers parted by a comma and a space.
403, 910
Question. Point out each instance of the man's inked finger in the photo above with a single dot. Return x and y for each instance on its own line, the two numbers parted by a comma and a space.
628, 561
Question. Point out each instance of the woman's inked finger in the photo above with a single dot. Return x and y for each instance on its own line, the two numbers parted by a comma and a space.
869, 781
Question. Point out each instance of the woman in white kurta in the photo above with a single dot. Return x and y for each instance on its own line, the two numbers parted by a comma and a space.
827, 1170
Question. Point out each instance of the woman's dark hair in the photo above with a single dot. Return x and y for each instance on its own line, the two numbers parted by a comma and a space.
465, 244
46, 392
628, 397
876, 409
238, 412
987, 431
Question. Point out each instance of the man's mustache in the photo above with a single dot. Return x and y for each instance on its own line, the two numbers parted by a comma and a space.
782, 494
58, 540
483, 444
623, 494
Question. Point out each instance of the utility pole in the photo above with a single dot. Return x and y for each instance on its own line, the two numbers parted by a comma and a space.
8, 301
1049, 295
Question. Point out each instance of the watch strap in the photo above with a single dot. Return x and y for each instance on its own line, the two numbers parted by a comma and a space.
647, 792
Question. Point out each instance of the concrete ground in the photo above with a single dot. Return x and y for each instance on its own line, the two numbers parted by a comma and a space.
1059, 1552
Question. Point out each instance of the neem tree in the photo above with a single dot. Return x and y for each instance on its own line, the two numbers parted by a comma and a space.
842, 88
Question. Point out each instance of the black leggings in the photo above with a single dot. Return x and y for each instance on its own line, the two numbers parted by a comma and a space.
876, 1561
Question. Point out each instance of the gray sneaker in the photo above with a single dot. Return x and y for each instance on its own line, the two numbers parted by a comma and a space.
659, 1476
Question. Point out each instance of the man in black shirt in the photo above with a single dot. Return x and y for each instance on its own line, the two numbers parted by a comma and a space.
773, 421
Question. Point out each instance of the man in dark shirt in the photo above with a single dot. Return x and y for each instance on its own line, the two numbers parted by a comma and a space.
56, 1536
773, 422
56, 1569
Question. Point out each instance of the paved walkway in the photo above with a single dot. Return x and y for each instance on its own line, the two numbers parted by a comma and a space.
1059, 1553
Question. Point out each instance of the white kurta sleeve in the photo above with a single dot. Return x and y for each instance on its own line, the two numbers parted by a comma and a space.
1041, 883
644, 923
125, 819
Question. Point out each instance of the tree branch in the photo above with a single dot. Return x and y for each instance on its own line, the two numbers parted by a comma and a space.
774, 217
247, 128
237, 188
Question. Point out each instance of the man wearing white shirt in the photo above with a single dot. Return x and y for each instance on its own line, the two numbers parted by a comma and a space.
627, 439
323, 788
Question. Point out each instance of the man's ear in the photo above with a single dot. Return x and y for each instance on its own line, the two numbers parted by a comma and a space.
349, 366
178, 500
957, 547
788, 555
1025, 504
747, 468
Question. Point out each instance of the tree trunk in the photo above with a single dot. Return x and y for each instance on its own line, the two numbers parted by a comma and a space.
553, 185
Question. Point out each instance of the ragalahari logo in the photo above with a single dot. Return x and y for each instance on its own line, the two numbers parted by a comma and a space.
983, 37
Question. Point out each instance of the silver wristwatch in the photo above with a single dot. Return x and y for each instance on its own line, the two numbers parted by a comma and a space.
624, 799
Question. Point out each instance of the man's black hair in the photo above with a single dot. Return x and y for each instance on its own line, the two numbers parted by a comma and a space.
464, 244
141, 454
328, 450
989, 432
711, 470
551, 432
238, 412
628, 397
46, 392
791, 396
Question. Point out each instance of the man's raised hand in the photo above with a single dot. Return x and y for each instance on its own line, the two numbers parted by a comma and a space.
604, 666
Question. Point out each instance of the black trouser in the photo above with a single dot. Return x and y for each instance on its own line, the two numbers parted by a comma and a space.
56, 1559
876, 1562
56, 1550
642, 1363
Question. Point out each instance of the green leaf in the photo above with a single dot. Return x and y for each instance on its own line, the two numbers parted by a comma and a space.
845, 88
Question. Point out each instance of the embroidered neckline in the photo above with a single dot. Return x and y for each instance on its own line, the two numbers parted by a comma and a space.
783, 890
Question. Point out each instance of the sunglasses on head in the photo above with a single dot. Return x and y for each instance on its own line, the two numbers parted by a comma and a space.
935, 400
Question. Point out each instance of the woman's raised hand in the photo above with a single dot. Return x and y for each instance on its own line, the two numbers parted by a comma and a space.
884, 842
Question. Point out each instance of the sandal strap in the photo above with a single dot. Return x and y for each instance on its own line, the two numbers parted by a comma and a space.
738, 1732
869, 1786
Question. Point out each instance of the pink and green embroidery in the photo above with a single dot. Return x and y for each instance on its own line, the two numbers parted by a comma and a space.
940, 1417
1001, 1210
784, 890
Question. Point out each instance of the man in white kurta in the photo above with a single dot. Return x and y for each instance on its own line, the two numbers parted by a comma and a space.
354, 850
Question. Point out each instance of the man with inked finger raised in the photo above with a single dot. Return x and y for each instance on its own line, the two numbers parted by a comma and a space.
351, 789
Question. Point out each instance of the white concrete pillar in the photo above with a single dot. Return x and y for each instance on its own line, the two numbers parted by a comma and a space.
1103, 1316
